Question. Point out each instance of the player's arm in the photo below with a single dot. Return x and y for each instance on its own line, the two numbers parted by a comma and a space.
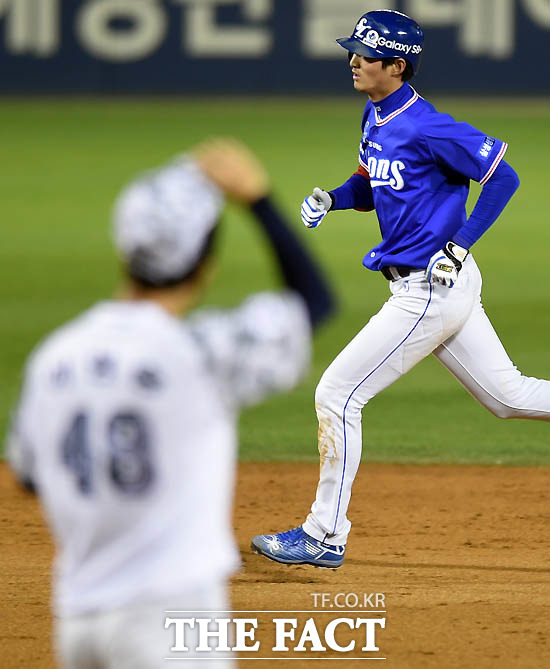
239, 174
355, 193
495, 195
469, 152
445, 265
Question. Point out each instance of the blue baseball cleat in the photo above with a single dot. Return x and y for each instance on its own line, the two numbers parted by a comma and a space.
297, 547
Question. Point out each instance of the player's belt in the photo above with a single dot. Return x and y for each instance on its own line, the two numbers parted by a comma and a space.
392, 273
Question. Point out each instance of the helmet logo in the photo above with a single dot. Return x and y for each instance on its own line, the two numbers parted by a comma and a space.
371, 39
361, 27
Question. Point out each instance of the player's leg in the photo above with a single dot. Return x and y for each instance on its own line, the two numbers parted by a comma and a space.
476, 356
373, 359
76, 643
137, 637
416, 319
389, 345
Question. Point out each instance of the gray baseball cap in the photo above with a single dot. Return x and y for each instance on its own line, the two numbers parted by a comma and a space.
162, 220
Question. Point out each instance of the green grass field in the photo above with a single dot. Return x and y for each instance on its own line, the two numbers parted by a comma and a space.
64, 161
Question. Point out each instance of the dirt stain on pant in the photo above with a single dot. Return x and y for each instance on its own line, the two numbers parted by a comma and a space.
325, 441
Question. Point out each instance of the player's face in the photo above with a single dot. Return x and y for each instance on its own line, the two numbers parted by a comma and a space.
370, 77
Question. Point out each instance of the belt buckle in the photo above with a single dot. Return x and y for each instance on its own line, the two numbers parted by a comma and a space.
391, 273
394, 273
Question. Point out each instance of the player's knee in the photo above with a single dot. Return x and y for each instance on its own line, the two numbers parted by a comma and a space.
322, 394
515, 397
331, 397
506, 406
501, 410
327, 397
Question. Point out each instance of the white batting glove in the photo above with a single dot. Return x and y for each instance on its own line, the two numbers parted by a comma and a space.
445, 265
315, 208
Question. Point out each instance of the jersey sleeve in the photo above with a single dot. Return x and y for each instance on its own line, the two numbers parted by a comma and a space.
355, 193
463, 148
259, 348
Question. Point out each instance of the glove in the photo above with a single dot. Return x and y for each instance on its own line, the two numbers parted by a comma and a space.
445, 265
315, 208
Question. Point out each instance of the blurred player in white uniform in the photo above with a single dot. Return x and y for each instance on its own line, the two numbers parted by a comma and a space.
127, 423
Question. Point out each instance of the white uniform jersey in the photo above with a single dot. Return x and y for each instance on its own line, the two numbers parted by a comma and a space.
127, 427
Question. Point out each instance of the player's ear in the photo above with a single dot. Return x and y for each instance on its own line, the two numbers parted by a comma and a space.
399, 65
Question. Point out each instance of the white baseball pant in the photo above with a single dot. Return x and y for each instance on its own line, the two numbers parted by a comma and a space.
418, 319
135, 637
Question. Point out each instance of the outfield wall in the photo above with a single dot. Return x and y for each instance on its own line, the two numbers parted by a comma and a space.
260, 46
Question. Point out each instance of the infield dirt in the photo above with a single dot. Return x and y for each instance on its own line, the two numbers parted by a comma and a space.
461, 554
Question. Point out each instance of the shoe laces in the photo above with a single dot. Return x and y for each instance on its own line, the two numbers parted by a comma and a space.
292, 535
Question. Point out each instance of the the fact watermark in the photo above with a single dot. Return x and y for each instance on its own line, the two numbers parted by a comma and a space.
339, 625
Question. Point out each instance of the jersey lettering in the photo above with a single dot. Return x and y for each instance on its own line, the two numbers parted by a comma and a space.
486, 147
129, 460
75, 454
386, 173
130, 464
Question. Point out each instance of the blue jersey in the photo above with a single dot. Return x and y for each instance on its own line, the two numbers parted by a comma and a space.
420, 163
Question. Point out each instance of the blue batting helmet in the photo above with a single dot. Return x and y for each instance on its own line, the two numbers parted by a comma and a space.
386, 33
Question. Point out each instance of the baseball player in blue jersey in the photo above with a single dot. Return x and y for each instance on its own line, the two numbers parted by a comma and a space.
415, 165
